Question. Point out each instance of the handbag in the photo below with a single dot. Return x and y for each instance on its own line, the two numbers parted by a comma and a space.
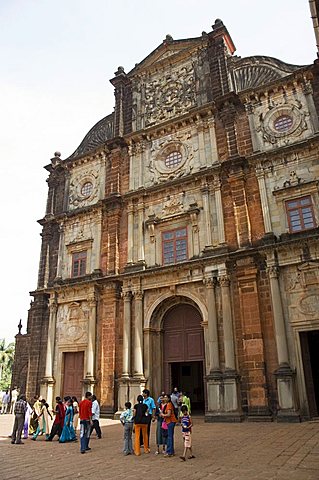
164, 425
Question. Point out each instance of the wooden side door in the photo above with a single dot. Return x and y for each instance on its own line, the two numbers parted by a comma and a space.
73, 374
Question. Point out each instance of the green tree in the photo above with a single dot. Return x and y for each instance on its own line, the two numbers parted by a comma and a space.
6, 363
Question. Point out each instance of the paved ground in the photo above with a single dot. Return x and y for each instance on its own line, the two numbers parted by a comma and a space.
247, 451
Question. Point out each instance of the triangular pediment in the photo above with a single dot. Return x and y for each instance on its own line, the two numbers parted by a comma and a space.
169, 51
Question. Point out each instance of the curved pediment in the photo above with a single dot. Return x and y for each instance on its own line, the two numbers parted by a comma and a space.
251, 72
97, 136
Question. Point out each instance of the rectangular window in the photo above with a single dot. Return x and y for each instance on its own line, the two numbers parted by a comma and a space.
78, 264
174, 246
300, 214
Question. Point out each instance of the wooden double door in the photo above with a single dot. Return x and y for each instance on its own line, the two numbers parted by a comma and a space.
183, 353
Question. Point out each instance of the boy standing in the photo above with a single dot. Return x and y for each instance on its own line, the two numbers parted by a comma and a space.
186, 422
127, 422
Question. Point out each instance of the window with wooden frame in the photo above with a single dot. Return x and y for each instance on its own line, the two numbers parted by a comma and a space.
300, 214
174, 246
78, 264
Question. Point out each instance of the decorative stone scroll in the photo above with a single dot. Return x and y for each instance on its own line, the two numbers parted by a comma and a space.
170, 95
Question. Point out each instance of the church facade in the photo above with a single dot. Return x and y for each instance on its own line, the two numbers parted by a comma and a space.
180, 241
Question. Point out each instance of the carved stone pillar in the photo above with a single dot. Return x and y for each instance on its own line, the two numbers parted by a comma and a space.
90, 355
227, 324
219, 211
138, 370
212, 137
127, 335
48, 381
140, 213
264, 199
284, 374
208, 223
130, 232
308, 92
60, 254
252, 127
193, 212
201, 142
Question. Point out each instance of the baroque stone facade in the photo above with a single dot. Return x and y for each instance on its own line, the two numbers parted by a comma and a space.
180, 241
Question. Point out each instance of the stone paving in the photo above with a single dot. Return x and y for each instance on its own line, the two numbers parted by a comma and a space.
247, 451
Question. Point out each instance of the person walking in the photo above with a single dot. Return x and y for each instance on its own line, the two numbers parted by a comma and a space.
95, 417
161, 430
27, 417
127, 421
19, 416
186, 422
85, 413
149, 402
44, 423
75, 413
169, 417
5, 402
68, 433
141, 422
14, 398
58, 423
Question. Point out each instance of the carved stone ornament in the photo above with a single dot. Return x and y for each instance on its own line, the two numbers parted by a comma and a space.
72, 323
292, 111
79, 195
170, 95
172, 206
159, 169
308, 305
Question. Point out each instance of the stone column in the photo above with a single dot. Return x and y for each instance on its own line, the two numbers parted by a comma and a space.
231, 405
201, 142
252, 127
90, 354
308, 92
130, 232
264, 199
212, 137
138, 335
48, 381
127, 334
206, 206
140, 213
60, 254
284, 374
227, 323
219, 211
213, 343
124, 381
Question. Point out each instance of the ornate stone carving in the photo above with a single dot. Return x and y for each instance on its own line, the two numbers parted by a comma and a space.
72, 323
308, 305
76, 196
170, 95
294, 110
172, 206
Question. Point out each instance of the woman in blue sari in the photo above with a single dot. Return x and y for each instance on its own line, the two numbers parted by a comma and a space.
68, 433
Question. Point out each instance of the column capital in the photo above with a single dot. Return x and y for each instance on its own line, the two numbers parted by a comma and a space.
224, 280
273, 271
126, 295
138, 294
209, 282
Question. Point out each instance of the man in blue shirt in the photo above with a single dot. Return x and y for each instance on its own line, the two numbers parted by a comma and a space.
149, 401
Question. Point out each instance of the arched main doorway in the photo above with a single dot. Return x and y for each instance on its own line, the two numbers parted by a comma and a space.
183, 353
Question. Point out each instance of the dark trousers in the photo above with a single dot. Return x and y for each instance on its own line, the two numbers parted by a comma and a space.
85, 429
17, 427
96, 426
55, 430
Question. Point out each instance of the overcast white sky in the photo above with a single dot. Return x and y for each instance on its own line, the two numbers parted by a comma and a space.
56, 57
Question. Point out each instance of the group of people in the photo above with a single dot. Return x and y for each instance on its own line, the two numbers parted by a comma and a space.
36, 420
168, 411
168, 414
8, 400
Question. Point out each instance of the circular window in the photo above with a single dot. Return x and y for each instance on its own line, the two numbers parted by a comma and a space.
283, 123
86, 189
173, 159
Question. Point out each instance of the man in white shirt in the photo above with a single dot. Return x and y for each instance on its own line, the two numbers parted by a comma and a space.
5, 402
96, 417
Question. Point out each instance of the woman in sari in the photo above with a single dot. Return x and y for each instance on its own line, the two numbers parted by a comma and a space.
68, 433
75, 413
44, 425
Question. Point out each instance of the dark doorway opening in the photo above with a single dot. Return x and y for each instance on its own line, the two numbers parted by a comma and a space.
310, 348
188, 377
